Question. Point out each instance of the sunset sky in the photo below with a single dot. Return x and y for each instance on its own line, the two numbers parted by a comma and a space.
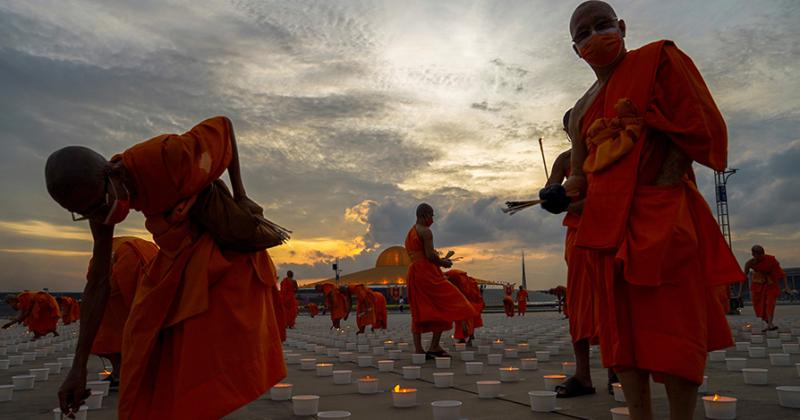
350, 113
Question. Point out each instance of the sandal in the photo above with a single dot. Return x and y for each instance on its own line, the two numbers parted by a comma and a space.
440, 353
573, 388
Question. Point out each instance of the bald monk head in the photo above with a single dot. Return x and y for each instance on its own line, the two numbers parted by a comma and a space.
424, 214
87, 184
565, 121
597, 34
290, 274
757, 251
11, 300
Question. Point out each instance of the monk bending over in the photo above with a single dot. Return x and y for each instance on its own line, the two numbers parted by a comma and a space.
312, 309
654, 249
381, 314
70, 309
38, 311
765, 285
202, 315
289, 299
464, 331
365, 306
435, 302
336, 303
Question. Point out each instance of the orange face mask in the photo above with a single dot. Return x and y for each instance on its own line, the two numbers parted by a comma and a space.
602, 49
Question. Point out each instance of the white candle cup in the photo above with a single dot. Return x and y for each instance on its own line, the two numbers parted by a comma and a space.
404, 397
353, 347
523, 347
735, 364
785, 337
554, 350
773, 343
484, 349
443, 379
795, 330
364, 361
305, 405
474, 368
385, 365
542, 401
442, 363
6, 392
446, 410
772, 334
717, 356
791, 348
719, 408
568, 368
703, 388
395, 354
308, 364
411, 372
3, 351
333, 415
281, 392
320, 350
757, 339
15, 360
342, 377
23, 382
5, 364
460, 346
757, 352
742, 346
345, 356
498, 344
95, 400
488, 389
28, 356
389, 344
797, 366
494, 359
509, 374
99, 386
363, 348
551, 381
367, 385
620, 413
619, 394
530, 363
753, 376
293, 358
403, 346
324, 369
80, 415
41, 374
780, 359
510, 353
378, 351
467, 355
789, 396
332, 352
543, 356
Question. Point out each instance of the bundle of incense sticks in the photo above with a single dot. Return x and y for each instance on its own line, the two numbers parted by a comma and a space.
515, 206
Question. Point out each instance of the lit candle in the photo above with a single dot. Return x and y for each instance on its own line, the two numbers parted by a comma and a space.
530, 363
509, 374
324, 369
718, 407
568, 368
367, 385
497, 344
281, 392
551, 381
404, 397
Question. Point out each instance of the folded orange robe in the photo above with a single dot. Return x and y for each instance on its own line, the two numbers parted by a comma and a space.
44, 312
764, 287
655, 252
202, 337
381, 314
129, 261
289, 301
365, 305
522, 301
580, 296
337, 303
468, 286
313, 309
435, 302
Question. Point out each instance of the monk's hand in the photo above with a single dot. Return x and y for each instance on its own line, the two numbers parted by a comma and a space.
447, 263
575, 185
554, 198
73, 392
7, 324
250, 206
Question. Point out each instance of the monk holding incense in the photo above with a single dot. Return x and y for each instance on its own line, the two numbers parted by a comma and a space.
289, 299
70, 309
202, 314
464, 331
508, 300
435, 302
38, 311
381, 314
765, 286
336, 303
522, 301
654, 249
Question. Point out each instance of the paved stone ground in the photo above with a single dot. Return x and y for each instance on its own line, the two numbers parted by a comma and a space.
755, 402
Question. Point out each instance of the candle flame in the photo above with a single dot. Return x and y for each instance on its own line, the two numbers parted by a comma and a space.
716, 397
399, 390
396, 388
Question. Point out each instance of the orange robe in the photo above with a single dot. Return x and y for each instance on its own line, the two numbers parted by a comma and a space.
580, 297
70, 309
522, 301
435, 302
656, 252
468, 286
288, 292
365, 305
313, 309
381, 315
202, 335
129, 261
44, 312
764, 287
336, 302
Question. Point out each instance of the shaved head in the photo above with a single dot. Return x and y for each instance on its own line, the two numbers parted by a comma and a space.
75, 177
757, 250
590, 8
424, 210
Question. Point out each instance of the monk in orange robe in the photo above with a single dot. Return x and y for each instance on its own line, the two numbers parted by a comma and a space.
70, 309
435, 302
365, 306
130, 258
312, 309
765, 286
522, 301
381, 314
201, 315
508, 300
288, 299
464, 331
38, 311
654, 248
336, 303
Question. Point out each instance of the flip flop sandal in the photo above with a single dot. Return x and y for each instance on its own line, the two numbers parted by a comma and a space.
573, 388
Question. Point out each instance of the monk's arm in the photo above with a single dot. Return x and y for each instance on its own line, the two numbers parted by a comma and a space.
748, 266
430, 252
18, 320
675, 166
234, 170
559, 170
